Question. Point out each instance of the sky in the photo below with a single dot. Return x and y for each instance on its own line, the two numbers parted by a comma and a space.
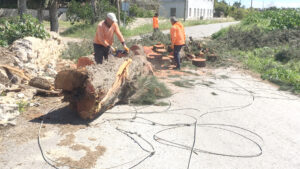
269, 3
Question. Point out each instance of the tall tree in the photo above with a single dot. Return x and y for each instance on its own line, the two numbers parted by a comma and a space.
42, 6
53, 8
94, 9
22, 7
119, 11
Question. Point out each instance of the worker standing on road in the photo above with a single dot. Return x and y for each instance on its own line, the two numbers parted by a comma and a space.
177, 39
104, 37
155, 22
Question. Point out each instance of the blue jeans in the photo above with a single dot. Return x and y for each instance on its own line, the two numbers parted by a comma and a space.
177, 49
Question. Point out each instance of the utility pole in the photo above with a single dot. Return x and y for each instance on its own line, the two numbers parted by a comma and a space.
251, 4
184, 17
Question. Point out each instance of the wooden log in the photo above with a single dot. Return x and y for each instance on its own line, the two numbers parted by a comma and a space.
212, 57
199, 62
41, 83
96, 88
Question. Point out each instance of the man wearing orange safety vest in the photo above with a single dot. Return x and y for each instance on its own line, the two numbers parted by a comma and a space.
177, 39
155, 22
104, 37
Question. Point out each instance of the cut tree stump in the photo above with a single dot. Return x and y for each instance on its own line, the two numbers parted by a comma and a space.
199, 62
93, 89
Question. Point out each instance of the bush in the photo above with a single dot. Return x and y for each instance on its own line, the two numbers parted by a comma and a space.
15, 28
136, 11
79, 12
76, 50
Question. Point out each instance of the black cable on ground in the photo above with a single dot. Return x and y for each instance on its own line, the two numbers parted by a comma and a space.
172, 126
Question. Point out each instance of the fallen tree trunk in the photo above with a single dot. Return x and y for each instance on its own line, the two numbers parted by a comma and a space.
93, 89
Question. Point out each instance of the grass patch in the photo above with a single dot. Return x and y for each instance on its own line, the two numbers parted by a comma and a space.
22, 106
76, 50
284, 74
149, 91
162, 104
184, 83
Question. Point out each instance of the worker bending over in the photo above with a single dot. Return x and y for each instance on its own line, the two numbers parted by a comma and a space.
177, 39
155, 22
104, 37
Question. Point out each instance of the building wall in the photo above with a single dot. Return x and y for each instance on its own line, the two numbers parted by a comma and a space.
196, 9
200, 8
166, 5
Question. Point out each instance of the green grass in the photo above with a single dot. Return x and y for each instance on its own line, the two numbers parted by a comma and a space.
286, 75
88, 31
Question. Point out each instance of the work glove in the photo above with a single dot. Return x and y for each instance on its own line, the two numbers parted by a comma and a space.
126, 48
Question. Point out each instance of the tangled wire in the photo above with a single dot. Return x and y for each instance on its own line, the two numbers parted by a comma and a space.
150, 149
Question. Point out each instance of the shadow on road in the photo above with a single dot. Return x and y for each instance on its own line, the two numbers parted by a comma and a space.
63, 115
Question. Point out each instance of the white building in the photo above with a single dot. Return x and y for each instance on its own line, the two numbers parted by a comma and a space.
190, 9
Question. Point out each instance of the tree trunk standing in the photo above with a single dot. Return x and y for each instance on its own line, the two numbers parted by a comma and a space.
118, 5
53, 16
41, 12
94, 9
22, 7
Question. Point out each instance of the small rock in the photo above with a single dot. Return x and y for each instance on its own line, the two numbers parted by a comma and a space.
8, 114
20, 95
34, 104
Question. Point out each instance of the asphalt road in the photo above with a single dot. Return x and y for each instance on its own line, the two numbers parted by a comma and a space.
201, 31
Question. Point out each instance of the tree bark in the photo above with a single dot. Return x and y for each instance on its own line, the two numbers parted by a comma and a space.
93, 89
53, 16
22, 7
41, 11
119, 11
94, 8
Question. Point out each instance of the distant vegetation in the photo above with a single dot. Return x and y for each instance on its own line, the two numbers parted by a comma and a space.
267, 42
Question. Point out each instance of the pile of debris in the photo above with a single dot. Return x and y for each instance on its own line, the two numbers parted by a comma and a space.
162, 57
27, 68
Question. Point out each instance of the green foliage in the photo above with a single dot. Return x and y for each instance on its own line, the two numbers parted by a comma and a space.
15, 28
136, 11
235, 11
282, 74
76, 50
149, 90
275, 19
79, 12
83, 12
22, 105
267, 42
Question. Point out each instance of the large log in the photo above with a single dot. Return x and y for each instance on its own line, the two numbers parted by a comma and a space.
93, 89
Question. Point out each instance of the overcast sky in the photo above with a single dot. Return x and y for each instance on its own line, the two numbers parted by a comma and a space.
268, 3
